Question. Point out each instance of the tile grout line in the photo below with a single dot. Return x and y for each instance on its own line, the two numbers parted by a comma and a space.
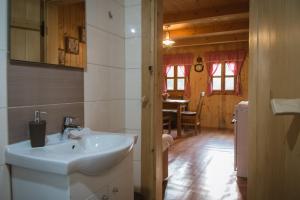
106, 66
43, 105
106, 31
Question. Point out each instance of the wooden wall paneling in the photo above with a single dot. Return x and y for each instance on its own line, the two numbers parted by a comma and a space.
217, 109
18, 13
253, 61
33, 46
275, 146
33, 13
66, 30
151, 163
52, 39
290, 48
71, 17
25, 30
18, 44
25, 13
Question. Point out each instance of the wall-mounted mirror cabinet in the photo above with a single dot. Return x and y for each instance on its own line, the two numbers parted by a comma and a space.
48, 31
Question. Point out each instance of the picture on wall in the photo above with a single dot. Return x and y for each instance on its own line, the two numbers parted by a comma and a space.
72, 45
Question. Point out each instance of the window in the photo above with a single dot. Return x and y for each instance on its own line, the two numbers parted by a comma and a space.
175, 78
223, 77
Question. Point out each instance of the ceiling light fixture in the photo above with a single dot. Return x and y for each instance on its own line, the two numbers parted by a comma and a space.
168, 41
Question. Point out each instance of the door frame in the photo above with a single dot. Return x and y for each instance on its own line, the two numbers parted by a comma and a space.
151, 128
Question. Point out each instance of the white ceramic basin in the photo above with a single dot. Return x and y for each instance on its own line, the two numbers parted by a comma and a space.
91, 155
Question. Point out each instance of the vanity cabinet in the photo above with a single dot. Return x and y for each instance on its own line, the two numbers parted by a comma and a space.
113, 184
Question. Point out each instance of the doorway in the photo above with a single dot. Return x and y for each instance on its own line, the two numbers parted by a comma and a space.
212, 48
205, 30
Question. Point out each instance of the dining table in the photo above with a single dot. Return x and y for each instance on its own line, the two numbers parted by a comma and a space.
179, 105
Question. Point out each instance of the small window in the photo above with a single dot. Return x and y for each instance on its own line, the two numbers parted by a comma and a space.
223, 77
217, 77
229, 76
175, 78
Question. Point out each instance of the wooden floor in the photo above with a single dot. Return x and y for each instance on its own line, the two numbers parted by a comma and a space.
201, 168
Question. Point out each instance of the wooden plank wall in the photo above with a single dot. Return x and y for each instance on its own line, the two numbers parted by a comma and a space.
70, 18
218, 109
274, 140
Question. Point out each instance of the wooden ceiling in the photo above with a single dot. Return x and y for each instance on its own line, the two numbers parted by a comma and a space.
201, 22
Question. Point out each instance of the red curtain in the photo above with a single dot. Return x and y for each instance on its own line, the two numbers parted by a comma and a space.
166, 69
211, 71
236, 57
178, 59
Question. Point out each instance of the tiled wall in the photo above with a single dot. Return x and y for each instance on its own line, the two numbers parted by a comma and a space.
104, 79
133, 79
112, 81
4, 172
57, 91
113, 76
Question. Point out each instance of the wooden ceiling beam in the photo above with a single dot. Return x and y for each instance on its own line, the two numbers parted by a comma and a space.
206, 14
223, 28
212, 40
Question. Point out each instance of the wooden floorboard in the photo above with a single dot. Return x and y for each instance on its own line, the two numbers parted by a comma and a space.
201, 168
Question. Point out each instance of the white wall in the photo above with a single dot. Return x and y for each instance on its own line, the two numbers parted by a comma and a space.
104, 80
113, 77
133, 79
4, 173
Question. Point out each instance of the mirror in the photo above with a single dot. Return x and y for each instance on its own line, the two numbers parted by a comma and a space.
48, 31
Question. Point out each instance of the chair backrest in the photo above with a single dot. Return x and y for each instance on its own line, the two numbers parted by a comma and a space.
199, 107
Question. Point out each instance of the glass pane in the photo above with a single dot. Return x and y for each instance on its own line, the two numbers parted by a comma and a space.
170, 84
180, 71
229, 83
180, 84
170, 71
216, 84
217, 69
229, 69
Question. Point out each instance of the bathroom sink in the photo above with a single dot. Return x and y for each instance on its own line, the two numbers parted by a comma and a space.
91, 155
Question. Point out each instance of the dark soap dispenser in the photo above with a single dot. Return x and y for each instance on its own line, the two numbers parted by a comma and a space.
37, 130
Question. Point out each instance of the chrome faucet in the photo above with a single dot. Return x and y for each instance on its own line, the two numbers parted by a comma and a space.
69, 125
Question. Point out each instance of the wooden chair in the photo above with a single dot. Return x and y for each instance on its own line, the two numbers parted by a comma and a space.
167, 122
190, 118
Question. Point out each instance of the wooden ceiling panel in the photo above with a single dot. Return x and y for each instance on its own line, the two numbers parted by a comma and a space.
207, 21
215, 28
186, 16
203, 21
178, 6
212, 40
